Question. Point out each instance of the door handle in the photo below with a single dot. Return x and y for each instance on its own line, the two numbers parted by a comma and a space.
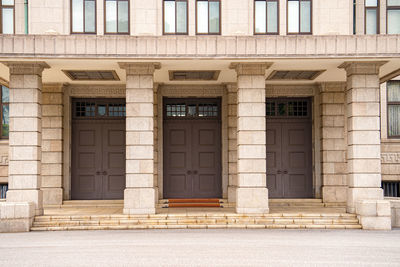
285, 172
98, 173
189, 172
104, 173
279, 172
194, 172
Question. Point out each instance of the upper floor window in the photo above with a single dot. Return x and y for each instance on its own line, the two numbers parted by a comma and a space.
266, 16
299, 13
393, 109
4, 110
175, 16
393, 16
83, 13
371, 17
208, 14
7, 16
116, 16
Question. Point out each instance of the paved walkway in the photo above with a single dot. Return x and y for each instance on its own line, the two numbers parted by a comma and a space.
201, 248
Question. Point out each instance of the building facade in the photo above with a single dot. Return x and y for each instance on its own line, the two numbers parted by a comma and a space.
244, 100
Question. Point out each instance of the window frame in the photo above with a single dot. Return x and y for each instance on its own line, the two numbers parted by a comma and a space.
391, 103
1, 16
311, 18
266, 18
176, 18
2, 137
377, 17
387, 11
208, 18
129, 19
84, 20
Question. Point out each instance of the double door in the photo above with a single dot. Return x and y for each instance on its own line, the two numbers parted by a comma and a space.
192, 159
98, 159
289, 158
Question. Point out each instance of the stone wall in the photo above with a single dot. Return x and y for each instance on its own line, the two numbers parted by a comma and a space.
232, 142
52, 144
390, 160
4, 161
333, 142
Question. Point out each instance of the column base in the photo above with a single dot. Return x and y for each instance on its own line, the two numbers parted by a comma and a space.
252, 200
357, 194
232, 194
334, 194
52, 196
139, 201
34, 196
374, 214
16, 217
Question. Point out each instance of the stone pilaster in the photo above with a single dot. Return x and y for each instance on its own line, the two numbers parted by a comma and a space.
25, 133
251, 193
140, 193
155, 133
363, 149
333, 143
52, 144
232, 142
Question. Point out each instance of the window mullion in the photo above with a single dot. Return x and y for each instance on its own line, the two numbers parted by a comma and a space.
176, 17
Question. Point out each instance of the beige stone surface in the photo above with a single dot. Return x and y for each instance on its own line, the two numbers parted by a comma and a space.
16, 216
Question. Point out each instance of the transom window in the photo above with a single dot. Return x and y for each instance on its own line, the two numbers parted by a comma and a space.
290, 108
393, 97
83, 16
266, 16
189, 108
393, 16
116, 16
5, 108
175, 17
371, 17
208, 17
299, 13
100, 109
7, 16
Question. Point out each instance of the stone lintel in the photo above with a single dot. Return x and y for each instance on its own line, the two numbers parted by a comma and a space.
139, 68
231, 87
332, 86
250, 68
26, 67
362, 67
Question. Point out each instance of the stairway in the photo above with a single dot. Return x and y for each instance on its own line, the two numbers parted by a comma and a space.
192, 203
197, 220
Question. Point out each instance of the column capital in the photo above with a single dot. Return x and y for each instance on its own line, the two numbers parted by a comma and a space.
26, 67
250, 68
231, 87
139, 68
362, 67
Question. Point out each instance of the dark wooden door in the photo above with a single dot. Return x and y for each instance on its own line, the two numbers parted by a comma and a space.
192, 150
289, 151
98, 159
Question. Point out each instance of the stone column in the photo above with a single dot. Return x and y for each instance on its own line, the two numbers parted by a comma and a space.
25, 139
333, 143
52, 144
251, 193
232, 142
140, 194
365, 196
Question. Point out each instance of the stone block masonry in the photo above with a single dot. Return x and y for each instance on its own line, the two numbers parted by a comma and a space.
140, 194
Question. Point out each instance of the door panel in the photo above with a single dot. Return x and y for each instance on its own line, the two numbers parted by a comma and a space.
192, 159
206, 143
86, 160
177, 159
113, 171
289, 158
98, 159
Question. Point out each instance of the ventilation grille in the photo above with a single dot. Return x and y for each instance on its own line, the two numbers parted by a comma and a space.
92, 75
391, 189
295, 74
181, 75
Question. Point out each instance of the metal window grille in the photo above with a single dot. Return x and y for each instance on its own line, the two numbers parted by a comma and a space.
391, 189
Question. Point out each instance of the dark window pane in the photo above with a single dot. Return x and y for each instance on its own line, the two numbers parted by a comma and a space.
5, 94
5, 121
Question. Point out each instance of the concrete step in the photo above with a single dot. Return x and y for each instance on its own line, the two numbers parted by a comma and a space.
200, 220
